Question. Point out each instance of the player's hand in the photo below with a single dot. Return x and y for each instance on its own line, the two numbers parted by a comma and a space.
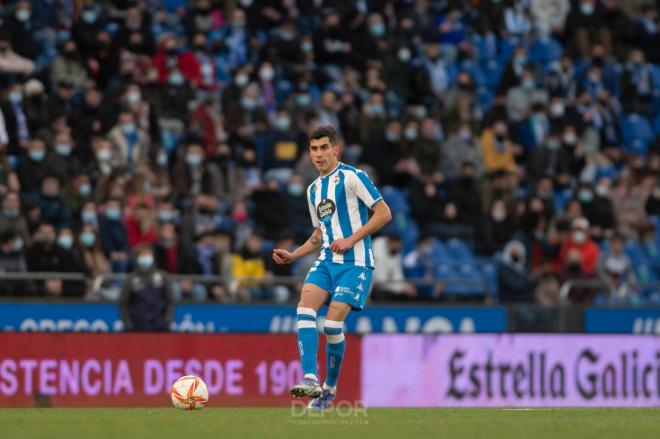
281, 256
342, 245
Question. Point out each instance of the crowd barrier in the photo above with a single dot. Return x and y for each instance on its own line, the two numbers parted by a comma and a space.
379, 370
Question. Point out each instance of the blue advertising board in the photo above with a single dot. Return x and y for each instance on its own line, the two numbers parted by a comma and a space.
60, 317
104, 317
374, 319
622, 320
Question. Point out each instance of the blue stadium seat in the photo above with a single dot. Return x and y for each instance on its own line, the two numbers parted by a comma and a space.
656, 125
655, 77
458, 251
545, 52
489, 275
395, 199
461, 279
635, 251
492, 71
636, 133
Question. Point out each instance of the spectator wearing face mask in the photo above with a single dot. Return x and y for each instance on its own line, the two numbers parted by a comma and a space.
130, 143
495, 230
573, 270
194, 175
389, 280
147, 298
21, 30
89, 244
67, 67
11, 217
515, 284
44, 255
16, 122
615, 267
174, 96
579, 241
497, 148
585, 26
73, 258
282, 151
114, 239
12, 260
461, 147
297, 210
64, 163
52, 204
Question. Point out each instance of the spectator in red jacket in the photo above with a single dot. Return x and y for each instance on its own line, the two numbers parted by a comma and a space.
579, 240
141, 226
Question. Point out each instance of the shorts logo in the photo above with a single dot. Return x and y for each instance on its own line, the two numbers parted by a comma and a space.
325, 209
341, 290
360, 287
362, 276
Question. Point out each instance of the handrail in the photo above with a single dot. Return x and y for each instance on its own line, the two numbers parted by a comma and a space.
42, 275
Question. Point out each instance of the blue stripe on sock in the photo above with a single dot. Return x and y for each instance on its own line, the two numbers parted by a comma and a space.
332, 331
306, 317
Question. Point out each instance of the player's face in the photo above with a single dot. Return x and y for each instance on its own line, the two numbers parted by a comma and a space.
323, 154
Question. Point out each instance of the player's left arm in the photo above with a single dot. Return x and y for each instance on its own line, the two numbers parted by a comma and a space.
381, 216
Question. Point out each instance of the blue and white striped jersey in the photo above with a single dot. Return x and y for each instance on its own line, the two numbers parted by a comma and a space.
339, 205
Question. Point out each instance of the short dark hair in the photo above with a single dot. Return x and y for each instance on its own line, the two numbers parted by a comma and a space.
323, 131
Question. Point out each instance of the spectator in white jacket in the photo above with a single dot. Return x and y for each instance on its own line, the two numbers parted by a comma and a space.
388, 279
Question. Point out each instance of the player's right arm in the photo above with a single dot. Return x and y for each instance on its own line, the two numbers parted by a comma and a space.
313, 244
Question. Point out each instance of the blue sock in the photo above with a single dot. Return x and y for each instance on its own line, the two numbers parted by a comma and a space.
308, 341
336, 346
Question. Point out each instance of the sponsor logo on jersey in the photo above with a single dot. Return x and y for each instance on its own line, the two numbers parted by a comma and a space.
325, 209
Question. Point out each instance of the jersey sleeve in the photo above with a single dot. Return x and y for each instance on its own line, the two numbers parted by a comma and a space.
365, 189
312, 210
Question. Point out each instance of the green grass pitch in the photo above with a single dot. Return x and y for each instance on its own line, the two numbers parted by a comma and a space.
138, 423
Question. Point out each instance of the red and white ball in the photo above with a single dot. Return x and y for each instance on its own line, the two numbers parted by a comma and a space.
189, 393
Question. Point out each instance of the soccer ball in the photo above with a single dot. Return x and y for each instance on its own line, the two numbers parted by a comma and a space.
189, 393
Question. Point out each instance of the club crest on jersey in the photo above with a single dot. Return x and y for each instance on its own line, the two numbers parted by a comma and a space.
325, 209
337, 179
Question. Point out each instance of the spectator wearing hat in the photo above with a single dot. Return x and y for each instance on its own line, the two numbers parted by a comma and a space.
578, 241
515, 283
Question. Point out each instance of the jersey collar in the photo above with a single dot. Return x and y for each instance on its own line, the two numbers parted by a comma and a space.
333, 171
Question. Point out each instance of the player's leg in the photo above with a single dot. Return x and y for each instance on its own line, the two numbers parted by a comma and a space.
350, 291
314, 294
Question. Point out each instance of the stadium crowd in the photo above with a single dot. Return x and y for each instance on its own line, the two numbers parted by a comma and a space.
516, 141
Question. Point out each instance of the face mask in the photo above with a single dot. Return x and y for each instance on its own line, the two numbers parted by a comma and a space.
37, 155
404, 55
602, 191
377, 29
248, 103
241, 80
23, 15
587, 8
103, 155
499, 216
65, 241
128, 128
88, 239
133, 97
15, 97
282, 124
570, 138
85, 189
307, 46
421, 112
520, 60
515, 257
579, 237
266, 74
303, 100
176, 79
557, 110
113, 214
193, 159
89, 17
165, 215
246, 3
553, 145
161, 159
585, 196
88, 217
145, 261
18, 245
296, 189
465, 135
63, 149
376, 109
528, 84
392, 137
410, 134
10, 213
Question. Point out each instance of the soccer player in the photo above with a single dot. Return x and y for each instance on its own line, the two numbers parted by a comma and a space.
339, 203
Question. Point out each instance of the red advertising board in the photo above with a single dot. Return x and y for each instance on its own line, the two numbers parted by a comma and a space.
85, 370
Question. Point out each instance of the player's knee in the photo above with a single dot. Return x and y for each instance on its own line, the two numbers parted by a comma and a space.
334, 331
